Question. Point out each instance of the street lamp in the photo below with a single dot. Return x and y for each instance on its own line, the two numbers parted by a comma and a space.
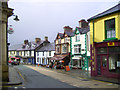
16, 18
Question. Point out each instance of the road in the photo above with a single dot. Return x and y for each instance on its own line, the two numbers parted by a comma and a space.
40, 77
34, 79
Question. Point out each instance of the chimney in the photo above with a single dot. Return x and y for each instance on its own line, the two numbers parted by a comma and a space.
46, 38
67, 28
83, 23
25, 41
37, 40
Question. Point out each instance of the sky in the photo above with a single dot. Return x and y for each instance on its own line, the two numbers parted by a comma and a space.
40, 18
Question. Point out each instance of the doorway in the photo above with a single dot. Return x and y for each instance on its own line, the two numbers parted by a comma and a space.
102, 65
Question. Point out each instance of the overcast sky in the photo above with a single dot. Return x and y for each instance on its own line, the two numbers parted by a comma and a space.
40, 18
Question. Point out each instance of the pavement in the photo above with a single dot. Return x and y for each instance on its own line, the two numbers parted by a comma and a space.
86, 75
14, 77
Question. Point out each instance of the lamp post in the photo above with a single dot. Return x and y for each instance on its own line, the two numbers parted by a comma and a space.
5, 14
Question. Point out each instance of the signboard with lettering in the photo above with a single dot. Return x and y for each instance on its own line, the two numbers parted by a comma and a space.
111, 44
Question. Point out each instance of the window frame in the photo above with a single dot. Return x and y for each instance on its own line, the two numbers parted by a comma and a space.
76, 47
110, 30
76, 38
63, 46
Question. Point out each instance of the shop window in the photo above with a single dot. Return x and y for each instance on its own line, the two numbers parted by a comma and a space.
114, 50
114, 63
75, 63
102, 50
110, 28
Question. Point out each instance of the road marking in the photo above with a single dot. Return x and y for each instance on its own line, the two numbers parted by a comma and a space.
15, 87
11, 85
21, 75
23, 87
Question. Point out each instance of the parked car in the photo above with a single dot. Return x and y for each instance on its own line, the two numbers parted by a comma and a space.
15, 63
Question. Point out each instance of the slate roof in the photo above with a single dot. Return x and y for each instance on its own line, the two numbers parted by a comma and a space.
15, 47
109, 11
83, 30
69, 33
26, 47
48, 47
61, 35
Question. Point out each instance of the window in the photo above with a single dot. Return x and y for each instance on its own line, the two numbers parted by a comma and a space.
114, 63
64, 48
77, 49
110, 29
49, 53
114, 50
66, 39
38, 59
37, 53
77, 37
102, 50
59, 41
58, 49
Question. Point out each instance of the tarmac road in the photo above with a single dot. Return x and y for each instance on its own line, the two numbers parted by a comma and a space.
34, 76
33, 79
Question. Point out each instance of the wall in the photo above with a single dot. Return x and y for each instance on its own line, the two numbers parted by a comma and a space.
82, 42
99, 27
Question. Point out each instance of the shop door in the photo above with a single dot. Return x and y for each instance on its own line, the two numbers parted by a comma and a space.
99, 65
104, 64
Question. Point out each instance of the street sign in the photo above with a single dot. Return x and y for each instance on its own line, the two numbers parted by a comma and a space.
10, 29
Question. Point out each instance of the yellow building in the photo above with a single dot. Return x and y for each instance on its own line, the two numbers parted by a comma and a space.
105, 43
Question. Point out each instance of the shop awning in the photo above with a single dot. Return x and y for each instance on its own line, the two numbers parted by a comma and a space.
58, 57
65, 59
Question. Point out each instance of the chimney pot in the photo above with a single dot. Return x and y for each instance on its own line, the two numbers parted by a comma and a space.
83, 23
37, 40
25, 41
67, 28
46, 38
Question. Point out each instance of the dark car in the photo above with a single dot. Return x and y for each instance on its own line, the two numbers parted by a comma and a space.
15, 63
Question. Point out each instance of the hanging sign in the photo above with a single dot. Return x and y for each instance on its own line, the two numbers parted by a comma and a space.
10, 29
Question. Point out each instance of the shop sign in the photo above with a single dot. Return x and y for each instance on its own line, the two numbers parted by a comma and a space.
111, 44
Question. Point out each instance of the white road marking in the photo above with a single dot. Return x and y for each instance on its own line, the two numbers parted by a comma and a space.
16, 87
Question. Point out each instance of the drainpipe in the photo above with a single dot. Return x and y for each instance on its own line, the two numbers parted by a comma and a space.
71, 50
93, 30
